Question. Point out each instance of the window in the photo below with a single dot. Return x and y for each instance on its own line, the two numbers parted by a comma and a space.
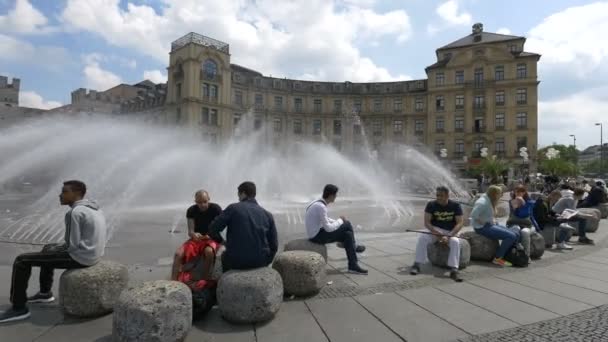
459, 124
522, 120
398, 127
522, 142
459, 148
418, 126
439, 125
238, 97
337, 127
377, 128
479, 101
459, 101
204, 116
357, 129
259, 100
178, 91
298, 104
440, 103
419, 104
522, 96
297, 86
377, 105
316, 127
338, 106
258, 82
213, 91
397, 105
297, 126
522, 70
277, 125
459, 77
236, 119
478, 76
439, 79
210, 69
237, 78
500, 121
278, 102
499, 146
499, 73
479, 127
357, 106
213, 117
500, 98
276, 84
318, 104
513, 48
477, 146
205, 89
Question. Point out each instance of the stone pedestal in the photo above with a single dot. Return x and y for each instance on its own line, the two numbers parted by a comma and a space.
92, 291
438, 254
250, 296
156, 311
593, 221
482, 248
306, 245
303, 272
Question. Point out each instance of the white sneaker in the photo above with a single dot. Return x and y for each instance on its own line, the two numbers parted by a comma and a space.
564, 245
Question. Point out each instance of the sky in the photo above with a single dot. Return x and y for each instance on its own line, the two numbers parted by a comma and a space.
57, 46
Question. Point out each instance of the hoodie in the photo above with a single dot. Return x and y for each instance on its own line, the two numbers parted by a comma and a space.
85, 232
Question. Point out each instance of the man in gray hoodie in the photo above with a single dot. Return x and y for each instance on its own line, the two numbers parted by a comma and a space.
85, 240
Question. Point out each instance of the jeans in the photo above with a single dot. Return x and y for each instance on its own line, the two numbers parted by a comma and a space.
424, 240
524, 237
343, 234
496, 232
48, 260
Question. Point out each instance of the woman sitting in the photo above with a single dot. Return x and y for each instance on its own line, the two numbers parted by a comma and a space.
521, 215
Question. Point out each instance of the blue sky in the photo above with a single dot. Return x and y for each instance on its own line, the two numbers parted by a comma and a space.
58, 46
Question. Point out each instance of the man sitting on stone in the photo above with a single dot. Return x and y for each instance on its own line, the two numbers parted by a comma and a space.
595, 198
251, 239
568, 201
322, 229
85, 240
443, 219
199, 216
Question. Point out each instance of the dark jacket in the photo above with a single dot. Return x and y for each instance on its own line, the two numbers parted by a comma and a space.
251, 240
596, 196
543, 215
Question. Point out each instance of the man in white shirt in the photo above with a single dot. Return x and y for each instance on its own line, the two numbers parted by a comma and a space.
322, 229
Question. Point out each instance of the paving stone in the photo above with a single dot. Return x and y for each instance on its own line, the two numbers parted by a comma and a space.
582, 271
410, 321
580, 281
588, 264
542, 299
512, 309
80, 330
466, 316
42, 319
212, 328
293, 323
344, 320
374, 277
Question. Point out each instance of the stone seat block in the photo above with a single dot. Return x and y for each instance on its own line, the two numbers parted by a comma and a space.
482, 248
250, 296
306, 245
603, 207
92, 291
438, 254
155, 311
593, 221
303, 272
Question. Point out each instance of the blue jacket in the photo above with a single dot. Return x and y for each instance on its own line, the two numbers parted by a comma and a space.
251, 239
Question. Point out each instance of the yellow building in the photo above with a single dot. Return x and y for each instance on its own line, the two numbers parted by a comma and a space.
481, 92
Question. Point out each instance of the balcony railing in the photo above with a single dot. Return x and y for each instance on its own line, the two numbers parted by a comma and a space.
479, 129
479, 107
459, 107
522, 102
200, 40
211, 99
500, 104
214, 78
499, 128
440, 130
459, 130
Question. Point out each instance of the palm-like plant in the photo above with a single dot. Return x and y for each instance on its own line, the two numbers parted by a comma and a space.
493, 168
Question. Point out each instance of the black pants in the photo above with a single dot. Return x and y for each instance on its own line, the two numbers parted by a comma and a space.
343, 234
228, 265
48, 260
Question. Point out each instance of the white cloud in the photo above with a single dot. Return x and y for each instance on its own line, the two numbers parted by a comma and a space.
449, 12
44, 56
504, 30
287, 38
33, 100
155, 76
23, 18
95, 76
573, 40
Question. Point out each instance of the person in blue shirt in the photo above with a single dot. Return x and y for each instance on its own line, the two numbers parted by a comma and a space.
521, 215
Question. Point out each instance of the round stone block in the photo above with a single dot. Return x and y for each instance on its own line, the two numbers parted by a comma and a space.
306, 245
92, 291
155, 311
250, 296
593, 221
603, 207
303, 272
482, 248
537, 245
438, 254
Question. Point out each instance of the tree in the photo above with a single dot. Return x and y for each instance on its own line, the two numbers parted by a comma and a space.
593, 167
493, 168
558, 167
567, 153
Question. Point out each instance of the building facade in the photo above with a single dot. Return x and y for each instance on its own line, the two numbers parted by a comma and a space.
9, 92
481, 92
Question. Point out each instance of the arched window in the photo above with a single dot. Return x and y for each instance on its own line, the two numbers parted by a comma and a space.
210, 69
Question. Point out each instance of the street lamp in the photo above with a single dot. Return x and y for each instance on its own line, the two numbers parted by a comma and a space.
574, 136
601, 148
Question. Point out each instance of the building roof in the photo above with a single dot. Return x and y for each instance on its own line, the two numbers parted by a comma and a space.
486, 37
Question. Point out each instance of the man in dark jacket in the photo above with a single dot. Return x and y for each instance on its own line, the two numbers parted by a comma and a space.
596, 196
251, 240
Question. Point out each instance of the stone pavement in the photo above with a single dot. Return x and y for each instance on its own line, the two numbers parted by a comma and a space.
562, 297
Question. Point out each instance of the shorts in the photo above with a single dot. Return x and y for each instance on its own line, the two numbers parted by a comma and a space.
190, 251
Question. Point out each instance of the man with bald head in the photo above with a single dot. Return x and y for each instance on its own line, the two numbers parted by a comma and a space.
199, 216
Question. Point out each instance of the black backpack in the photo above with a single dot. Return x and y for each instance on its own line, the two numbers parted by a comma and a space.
517, 257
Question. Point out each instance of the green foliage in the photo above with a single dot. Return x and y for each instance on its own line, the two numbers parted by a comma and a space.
594, 167
493, 169
558, 167
567, 153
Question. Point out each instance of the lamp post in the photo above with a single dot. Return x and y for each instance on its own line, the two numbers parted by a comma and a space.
601, 148
574, 137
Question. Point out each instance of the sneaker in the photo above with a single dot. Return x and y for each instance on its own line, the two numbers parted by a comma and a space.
567, 227
360, 249
415, 269
563, 245
501, 262
12, 315
357, 270
586, 241
41, 298
455, 276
